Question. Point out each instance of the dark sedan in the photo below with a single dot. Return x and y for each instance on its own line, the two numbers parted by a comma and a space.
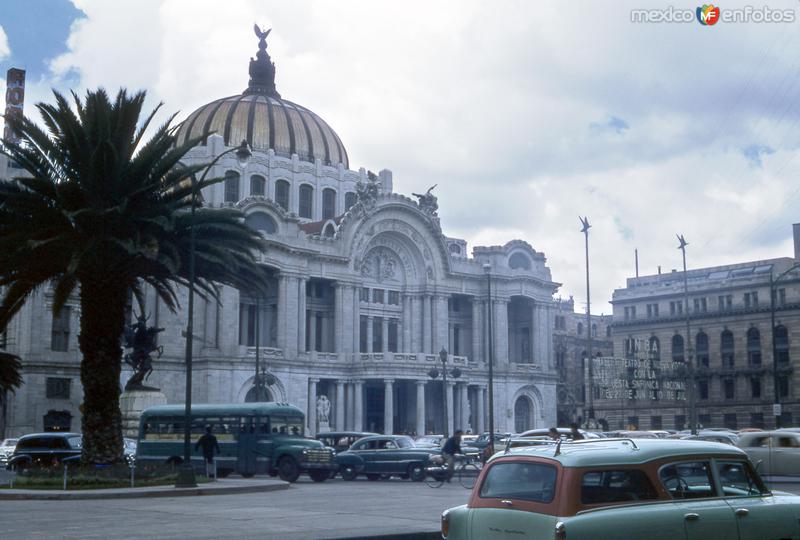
384, 455
341, 440
44, 450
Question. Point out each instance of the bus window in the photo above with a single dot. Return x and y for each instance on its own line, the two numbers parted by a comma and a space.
291, 425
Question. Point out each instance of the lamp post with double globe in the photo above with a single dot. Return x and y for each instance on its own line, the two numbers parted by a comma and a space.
487, 268
433, 374
186, 471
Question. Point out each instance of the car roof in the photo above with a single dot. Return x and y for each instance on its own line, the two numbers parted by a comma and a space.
373, 437
601, 452
224, 409
49, 434
345, 434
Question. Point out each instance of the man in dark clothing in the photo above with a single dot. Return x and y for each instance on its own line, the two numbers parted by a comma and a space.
451, 447
576, 434
208, 442
553, 434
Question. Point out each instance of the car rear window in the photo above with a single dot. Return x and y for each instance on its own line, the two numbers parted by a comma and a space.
520, 480
616, 486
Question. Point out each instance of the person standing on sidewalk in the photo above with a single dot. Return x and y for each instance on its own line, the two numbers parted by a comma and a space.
208, 442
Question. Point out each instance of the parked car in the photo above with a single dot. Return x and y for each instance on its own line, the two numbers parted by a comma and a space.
654, 489
44, 450
341, 440
430, 441
727, 437
385, 455
775, 453
6, 449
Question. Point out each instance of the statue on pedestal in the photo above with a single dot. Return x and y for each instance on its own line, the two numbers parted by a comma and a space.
142, 339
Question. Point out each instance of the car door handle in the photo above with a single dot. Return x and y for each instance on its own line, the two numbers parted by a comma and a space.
691, 516
741, 512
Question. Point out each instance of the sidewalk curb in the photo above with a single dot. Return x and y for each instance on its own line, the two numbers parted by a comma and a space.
139, 493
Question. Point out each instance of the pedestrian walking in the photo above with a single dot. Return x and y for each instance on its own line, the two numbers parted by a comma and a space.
208, 442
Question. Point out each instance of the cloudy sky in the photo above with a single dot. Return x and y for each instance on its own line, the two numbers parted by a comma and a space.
526, 114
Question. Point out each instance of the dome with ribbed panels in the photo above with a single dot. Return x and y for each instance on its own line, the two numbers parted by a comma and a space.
260, 116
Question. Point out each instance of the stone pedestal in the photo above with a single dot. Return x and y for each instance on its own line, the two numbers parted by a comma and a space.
324, 427
132, 403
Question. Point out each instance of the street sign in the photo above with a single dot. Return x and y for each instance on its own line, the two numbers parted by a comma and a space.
776, 409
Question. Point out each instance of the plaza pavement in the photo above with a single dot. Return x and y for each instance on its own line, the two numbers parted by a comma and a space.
305, 511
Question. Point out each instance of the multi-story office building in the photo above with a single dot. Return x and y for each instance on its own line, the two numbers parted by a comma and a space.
739, 361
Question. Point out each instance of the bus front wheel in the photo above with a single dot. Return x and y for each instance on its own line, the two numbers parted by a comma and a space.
288, 471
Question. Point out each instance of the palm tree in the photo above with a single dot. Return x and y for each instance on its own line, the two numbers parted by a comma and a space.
10, 378
104, 211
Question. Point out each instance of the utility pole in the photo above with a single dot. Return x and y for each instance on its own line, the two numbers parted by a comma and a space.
590, 393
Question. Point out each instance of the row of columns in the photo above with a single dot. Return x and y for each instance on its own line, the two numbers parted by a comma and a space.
348, 406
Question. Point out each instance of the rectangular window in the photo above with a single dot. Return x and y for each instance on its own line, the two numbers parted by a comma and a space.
503, 482
633, 423
601, 487
688, 480
729, 388
783, 386
700, 305
725, 302
362, 332
755, 387
630, 314
729, 421
377, 296
757, 420
58, 387
680, 421
394, 298
652, 311
676, 308
393, 327
364, 294
702, 389
738, 480
456, 340
59, 337
781, 297
377, 334
754, 296
655, 422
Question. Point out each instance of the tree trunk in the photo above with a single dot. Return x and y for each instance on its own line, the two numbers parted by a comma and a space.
102, 323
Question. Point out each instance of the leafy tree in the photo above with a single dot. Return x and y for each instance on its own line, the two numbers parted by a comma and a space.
104, 211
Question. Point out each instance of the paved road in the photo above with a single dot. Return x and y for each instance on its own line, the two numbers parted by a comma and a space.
334, 509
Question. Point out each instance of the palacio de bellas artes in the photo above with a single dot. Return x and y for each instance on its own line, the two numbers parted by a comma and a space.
367, 296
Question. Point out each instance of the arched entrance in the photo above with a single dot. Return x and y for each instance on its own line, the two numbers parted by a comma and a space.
250, 397
522, 414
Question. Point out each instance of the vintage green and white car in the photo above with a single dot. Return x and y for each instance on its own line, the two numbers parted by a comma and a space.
652, 489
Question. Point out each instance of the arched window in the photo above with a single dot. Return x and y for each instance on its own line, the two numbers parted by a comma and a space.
580, 329
259, 221
328, 203
594, 330
454, 249
231, 187
754, 347
608, 331
677, 348
701, 349
349, 200
518, 260
258, 185
282, 194
726, 348
654, 348
329, 231
306, 201
781, 344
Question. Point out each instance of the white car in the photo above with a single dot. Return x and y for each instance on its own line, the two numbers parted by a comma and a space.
6, 449
775, 453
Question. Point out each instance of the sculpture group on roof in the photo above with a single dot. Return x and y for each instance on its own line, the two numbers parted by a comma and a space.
428, 202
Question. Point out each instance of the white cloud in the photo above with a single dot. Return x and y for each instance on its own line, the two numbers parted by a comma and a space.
525, 117
5, 50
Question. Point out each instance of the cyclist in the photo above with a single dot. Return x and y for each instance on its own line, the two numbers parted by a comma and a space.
451, 447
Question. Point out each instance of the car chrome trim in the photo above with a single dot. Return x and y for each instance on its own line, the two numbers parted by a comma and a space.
741, 512
691, 516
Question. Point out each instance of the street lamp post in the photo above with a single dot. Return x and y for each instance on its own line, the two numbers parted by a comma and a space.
689, 360
585, 230
776, 407
186, 472
257, 380
433, 374
487, 268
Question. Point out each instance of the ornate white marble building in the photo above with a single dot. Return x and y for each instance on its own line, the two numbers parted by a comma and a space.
366, 290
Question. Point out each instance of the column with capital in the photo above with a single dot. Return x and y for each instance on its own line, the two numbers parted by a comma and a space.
384, 334
349, 413
501, 332
480, 414
420, 408
312, 406
416, 328
312, 330
282, 312
301, 314
449, 413
407, 324
388, 407
474, 354
370, 321
464, 409
340, 405
356, 322
426, 324
358, 405
292, 301
443, 323
338, 317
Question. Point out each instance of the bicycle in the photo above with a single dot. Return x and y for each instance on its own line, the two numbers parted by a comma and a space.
467, 472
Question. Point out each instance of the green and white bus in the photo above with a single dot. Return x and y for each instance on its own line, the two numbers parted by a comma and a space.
253, 438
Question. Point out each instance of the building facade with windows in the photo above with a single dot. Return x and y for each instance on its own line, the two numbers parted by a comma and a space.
570, 347
365, 291
730, 344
